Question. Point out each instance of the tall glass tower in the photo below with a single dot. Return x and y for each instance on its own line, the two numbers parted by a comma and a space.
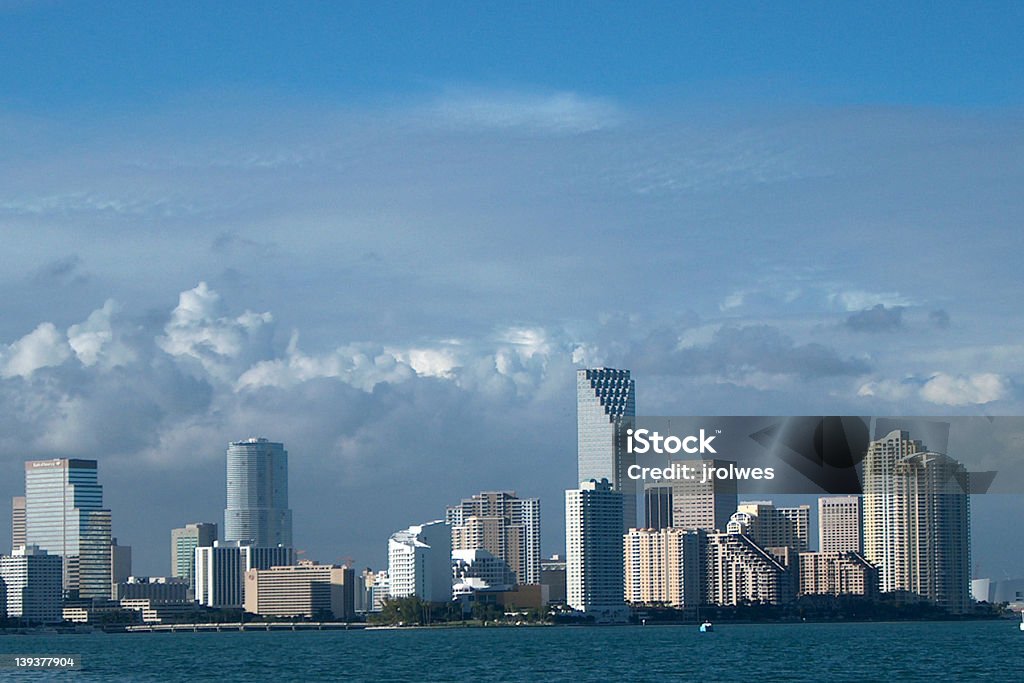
605, 409
64, 516
257, 511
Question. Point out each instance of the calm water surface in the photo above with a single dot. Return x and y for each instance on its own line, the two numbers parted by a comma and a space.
949, 651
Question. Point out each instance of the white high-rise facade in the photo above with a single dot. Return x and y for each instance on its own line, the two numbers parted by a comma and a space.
594, 550
64, 516
840, 525
420, 562
257, 503
605, 409
917, 520
33, 581
221, 568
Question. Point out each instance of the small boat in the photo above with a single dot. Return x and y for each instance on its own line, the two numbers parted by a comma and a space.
708, 627
1021, 620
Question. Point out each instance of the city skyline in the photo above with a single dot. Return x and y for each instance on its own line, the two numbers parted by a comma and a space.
389, 243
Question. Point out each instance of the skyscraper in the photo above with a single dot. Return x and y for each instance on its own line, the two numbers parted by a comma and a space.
184, 542
916, 520
64, 516
664, 567
605, 409
700, 504
420, 562
257, 510
594, 550
507, 526
839, 524
32, 579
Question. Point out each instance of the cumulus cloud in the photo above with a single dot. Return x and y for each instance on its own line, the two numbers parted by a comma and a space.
878, 318
960, 390
197, 330
41, 348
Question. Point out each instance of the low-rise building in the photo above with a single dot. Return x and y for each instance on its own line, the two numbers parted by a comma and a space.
308, 590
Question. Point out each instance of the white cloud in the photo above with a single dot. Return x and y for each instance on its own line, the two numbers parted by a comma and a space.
859, 299
93, 339
42, 347
959, 390
197, 330
886, 389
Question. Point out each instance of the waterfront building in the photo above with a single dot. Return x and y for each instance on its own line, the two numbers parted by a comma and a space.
738, 570
605, 409
184, 542
917, 520
257, 502
664, 567
420, 562
221, 568
840, 524
480, 567
64, 516
154, 588
552, 575
503, 524
837, 573
33, 583
593, 541
310, 590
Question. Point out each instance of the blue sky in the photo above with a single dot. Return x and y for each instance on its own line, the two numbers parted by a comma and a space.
386, 234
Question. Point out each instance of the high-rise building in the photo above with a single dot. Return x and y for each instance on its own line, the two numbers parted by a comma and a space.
33, 582
506, 526
706, 505
17, 521
772, 527
478, 568
257, 510
840, 526
657, 506
420, 562
552, 575
221, 568
64, 516
664, 567
917, 520
184, 542
593, 541
837, 573
310, 590
738, 570
605, 409
120, 565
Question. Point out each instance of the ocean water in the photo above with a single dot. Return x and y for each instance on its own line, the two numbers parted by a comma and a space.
944, 651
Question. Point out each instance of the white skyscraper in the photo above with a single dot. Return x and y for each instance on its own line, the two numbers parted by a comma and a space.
605, 409
221, 568
594, 550
420, 562
916, 520
32, 579
839, 524
257, 510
